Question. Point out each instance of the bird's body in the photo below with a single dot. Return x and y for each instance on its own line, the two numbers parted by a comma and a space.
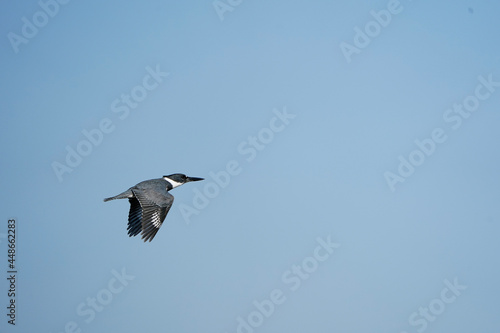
150, 203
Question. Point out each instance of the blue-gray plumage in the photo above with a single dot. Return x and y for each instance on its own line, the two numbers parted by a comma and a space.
150, 203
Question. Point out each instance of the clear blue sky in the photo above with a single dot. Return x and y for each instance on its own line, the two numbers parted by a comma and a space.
363, 145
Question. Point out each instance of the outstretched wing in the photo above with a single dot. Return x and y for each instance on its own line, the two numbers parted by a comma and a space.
134, 217
154, 207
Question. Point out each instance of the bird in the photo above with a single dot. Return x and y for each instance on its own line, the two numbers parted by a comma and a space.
150, 202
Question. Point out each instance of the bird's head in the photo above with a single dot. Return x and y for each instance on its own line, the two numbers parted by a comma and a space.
177, 179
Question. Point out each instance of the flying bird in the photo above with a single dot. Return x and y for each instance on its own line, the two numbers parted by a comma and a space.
150, 203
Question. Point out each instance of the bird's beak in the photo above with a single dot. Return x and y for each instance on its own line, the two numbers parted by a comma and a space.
193, 179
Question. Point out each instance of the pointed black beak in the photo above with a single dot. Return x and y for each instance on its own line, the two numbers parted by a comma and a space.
193, 179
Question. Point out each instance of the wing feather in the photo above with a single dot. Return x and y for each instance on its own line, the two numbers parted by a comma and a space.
134, 217
153, 208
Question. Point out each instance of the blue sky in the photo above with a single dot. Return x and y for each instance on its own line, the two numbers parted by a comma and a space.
304, 139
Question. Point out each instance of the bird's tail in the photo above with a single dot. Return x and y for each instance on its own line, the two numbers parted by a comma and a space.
127, 194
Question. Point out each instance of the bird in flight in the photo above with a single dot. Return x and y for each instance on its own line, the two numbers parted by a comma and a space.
150, 203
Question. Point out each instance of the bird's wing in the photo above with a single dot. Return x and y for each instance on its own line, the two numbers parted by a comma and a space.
154, 208
134, 217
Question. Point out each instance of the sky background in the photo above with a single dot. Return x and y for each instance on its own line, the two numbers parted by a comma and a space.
321, 176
